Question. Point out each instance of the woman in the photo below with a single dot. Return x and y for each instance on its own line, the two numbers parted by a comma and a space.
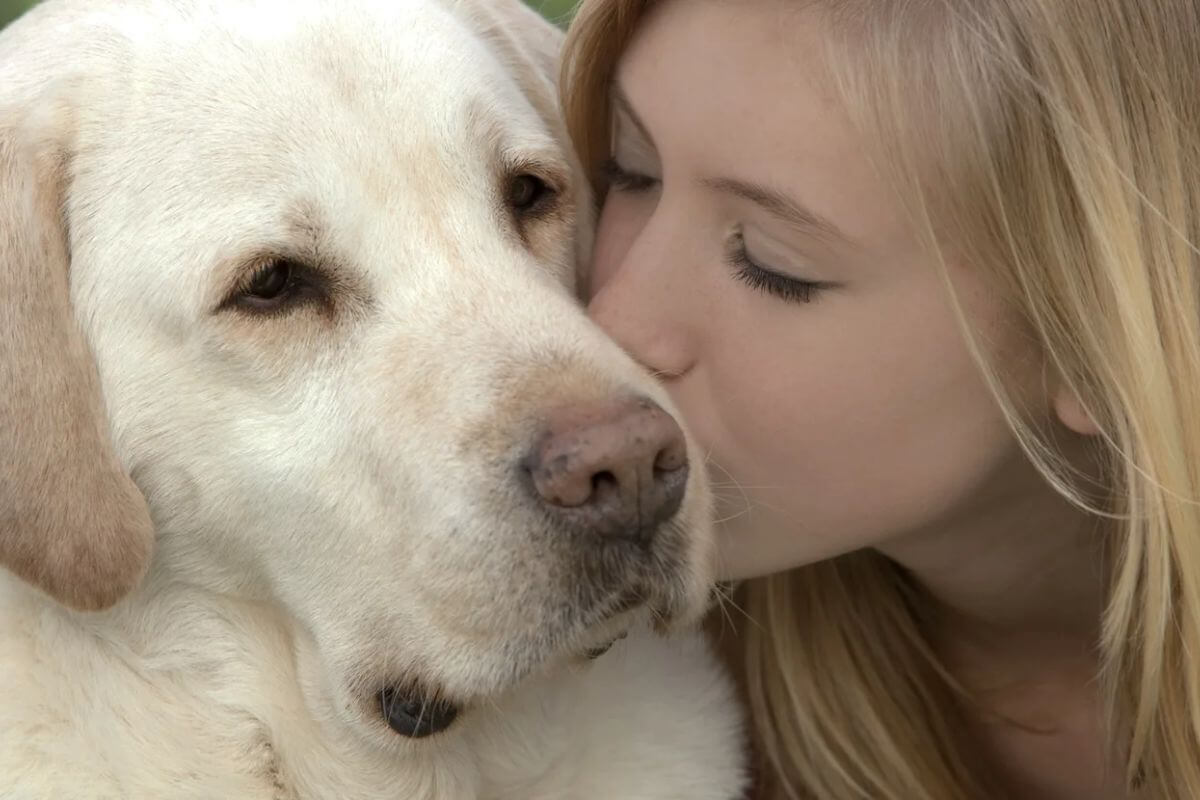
923, 277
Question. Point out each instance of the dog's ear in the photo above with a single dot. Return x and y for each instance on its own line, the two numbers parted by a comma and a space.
518, 31
540, 40
71, 521
531, 47
525, 42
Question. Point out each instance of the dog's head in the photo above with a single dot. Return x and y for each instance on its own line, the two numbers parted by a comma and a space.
302, 273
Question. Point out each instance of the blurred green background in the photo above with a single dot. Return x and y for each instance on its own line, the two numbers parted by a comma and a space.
557, 10
11, 9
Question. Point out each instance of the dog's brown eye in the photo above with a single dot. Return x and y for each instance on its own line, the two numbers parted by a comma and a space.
528, 193
275, 285
271, 281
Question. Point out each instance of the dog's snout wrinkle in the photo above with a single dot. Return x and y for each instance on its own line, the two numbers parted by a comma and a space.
617, 469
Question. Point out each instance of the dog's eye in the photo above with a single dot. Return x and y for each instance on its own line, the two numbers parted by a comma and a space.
271, 281
528, 194
277, 284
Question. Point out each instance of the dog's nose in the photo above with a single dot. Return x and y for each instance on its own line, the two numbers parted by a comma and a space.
616, 469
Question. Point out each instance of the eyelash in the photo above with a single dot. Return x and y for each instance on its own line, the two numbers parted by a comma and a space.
764, 279
746, 270
617, 177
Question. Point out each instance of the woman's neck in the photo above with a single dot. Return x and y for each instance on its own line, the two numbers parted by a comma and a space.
1023, 561
1018, 596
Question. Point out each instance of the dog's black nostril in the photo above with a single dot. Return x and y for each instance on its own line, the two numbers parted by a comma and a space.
603, 480
414, 716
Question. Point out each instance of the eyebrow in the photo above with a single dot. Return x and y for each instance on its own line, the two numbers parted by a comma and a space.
781, 207
774, 202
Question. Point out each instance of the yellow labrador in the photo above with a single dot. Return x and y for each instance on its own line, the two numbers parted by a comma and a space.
315, 482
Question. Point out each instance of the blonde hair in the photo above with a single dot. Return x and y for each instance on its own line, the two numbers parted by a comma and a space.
1056, 144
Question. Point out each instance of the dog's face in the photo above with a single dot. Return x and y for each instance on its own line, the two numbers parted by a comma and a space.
323, 256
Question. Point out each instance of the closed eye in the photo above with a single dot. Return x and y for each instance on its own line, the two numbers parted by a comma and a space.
765, 279
621, 179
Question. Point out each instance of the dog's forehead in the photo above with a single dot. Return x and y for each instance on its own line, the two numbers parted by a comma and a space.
358, 107
400, 70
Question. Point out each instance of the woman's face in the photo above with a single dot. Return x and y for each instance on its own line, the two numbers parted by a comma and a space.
749, 255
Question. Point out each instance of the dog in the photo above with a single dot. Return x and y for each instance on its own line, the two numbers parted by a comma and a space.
315, 479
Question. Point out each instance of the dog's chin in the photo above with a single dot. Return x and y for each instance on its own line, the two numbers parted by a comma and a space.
412, 707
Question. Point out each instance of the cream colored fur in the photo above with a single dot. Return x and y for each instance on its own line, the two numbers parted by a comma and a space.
332, 488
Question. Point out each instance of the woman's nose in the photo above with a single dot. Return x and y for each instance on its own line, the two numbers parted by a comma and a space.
636, 303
